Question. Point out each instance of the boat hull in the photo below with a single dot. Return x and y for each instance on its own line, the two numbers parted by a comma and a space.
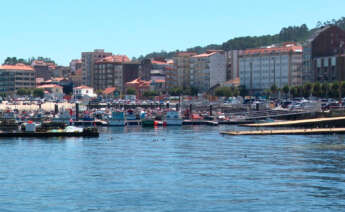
117, 123
174, 122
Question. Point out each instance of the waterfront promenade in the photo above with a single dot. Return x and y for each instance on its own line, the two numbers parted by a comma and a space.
47, 106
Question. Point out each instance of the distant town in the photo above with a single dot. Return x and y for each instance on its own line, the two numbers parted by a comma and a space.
315, 67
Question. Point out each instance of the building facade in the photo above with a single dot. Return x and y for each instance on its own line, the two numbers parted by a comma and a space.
329, 69
171, 77
75, 65
88, 60
261, 68
232, 65
182, 65
207, 70
110, 72
14, 77
42, 69
320, 53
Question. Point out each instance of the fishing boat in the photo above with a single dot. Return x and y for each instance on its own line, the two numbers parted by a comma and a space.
117, 119
148, 122
173, 118
130, 115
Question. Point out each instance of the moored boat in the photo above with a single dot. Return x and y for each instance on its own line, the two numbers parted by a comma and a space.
117, 119
173, 118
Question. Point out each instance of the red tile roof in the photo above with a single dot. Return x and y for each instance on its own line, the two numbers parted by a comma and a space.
114, 59
83, 87
108, 91
18, 66
139, 83
39, 63
269, 50
157, 62
49, 86
185, 54
205, 54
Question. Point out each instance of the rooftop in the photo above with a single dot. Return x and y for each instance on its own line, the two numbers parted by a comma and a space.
109, 90
18, 66
289, 47
49, 86
114, 59
83, 87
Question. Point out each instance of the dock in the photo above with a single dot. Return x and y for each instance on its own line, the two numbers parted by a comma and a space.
47, 134
315, 122
316, 131
200, 122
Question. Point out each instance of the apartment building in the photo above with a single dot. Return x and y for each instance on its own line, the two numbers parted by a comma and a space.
14, 77
261, 68
88, 60
322, 55
232, 66
171, 78
182, 64
207, 70
42, 69
114, 71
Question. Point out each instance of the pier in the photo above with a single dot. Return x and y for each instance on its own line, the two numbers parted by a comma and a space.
48, 134
315, 122
288, 132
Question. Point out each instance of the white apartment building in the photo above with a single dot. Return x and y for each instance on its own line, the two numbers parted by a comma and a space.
207, 70
261, 68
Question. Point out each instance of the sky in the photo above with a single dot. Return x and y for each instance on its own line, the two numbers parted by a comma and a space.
62, 29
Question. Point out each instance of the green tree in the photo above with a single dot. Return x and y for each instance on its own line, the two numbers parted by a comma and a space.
38, 92
267, 92
99, 91
325, 89
235, 91
334, 91
317, 89
307, 89
342, 88
150, 93
294, 91
274, 89
286, 90
299, 91
23, 92
243, 91
219, 92
130, 91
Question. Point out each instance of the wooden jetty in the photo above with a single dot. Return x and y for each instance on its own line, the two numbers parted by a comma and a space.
200, 122
315, 131
316, 122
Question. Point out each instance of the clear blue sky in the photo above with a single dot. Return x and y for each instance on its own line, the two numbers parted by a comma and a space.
62, 29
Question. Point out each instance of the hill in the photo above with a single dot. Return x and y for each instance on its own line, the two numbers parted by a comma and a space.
291, 33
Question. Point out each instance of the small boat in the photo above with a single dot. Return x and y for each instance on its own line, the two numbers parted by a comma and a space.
117, 119
148, 122
130, 115
173, 118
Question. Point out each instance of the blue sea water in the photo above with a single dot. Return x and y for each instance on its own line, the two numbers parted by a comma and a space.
190, 168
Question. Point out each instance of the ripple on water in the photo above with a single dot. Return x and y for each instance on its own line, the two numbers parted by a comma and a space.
192, 168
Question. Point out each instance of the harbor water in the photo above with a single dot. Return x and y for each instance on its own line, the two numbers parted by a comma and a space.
189, 168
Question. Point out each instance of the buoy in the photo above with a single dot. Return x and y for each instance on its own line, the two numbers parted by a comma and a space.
155, 123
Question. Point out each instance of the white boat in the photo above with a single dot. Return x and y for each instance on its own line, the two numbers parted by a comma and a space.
131, 115
64, 117
117, 119
173, 118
